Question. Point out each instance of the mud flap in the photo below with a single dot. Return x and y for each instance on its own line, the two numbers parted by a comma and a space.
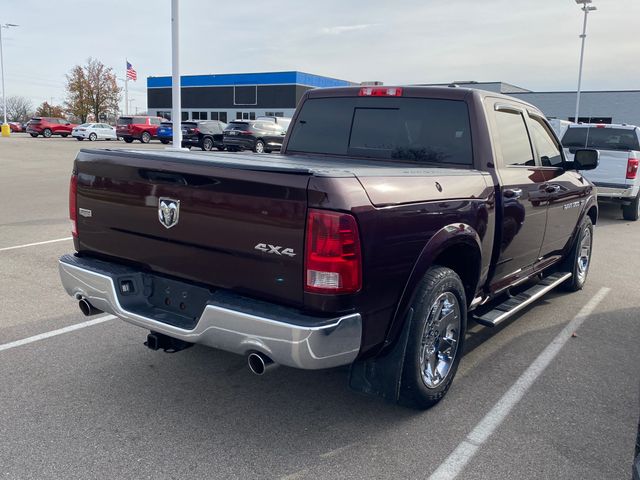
382, 376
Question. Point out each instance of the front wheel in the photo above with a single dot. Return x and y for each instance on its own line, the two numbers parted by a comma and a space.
259, 146
146, 137
436, 338
46, 133
632, 211
578, 260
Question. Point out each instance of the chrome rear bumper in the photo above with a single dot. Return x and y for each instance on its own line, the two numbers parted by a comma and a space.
307, 343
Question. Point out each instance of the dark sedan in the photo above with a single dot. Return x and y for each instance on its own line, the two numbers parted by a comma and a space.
259, 136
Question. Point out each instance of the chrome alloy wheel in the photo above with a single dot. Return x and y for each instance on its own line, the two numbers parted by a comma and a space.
440, 339
584, 255
259, 147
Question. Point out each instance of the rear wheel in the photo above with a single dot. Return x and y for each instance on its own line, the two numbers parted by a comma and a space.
259, 146
436, 338
93, 137
207, 144
578, 260
145, 137
632, 211
46, 133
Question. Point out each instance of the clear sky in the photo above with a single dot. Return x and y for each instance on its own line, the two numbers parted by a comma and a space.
533, 44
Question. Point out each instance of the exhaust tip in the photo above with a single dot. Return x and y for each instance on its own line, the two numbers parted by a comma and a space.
259, 363
87, 309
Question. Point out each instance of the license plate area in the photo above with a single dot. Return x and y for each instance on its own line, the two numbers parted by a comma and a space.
165, 300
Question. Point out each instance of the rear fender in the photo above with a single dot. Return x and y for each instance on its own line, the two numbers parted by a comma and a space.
455, 234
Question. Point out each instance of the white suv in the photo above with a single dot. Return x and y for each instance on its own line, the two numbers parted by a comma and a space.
617, 176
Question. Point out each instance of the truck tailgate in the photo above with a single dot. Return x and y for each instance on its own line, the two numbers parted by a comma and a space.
232, 215
612, 169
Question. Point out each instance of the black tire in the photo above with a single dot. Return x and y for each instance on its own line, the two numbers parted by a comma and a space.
145, 137
34, 135
93, 137
632, 211
128, 139
258, 147
574, 262
46, 133
439, 291
207, 144
164, 141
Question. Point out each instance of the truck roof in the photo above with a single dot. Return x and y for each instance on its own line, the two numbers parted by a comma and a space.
623, 126
449, 93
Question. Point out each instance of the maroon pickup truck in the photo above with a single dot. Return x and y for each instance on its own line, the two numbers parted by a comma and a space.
391, 218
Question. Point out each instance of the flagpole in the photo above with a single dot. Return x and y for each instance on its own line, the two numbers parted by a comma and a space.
126, 88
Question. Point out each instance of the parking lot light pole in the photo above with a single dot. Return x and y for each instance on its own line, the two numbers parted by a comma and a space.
586, 8
176, 109
6, 130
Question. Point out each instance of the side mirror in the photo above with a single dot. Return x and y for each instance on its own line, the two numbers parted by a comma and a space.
586, 159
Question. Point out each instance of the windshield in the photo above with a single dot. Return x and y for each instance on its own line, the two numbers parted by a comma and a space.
601, 138
403, 129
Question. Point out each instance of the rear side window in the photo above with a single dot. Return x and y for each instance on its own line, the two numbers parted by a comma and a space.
404, 129
514, 139
546, 145
125, 121
601, 138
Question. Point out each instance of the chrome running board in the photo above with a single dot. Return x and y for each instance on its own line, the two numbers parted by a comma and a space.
516, 303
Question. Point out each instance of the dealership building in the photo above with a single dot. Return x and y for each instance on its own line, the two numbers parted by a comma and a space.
246, 96
228, 97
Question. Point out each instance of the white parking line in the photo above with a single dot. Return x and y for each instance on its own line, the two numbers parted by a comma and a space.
54, 333
34, 244
460, 457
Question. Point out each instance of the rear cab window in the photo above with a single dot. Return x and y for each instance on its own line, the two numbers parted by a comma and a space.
601, 138
403, 129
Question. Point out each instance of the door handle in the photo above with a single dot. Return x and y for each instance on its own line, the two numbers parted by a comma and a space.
512, 193
552, 188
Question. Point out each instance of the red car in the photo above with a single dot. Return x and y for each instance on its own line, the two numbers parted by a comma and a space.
15, 127
48, 126
142, 128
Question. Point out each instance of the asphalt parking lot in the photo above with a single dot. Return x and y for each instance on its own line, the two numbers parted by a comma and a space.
94, 403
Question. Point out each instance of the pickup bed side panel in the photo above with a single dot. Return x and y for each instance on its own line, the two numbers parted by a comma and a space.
393, 240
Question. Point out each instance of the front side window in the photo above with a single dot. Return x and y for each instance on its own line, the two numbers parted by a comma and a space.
513, 139
548, 149
418, 130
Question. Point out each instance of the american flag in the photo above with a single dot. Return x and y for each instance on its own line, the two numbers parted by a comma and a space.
131, 73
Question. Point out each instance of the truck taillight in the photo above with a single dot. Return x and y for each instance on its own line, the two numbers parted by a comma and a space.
73, 204
333, 263
632, 168
380, 92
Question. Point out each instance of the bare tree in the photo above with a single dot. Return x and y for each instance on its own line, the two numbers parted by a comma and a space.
19, 109
92, 89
